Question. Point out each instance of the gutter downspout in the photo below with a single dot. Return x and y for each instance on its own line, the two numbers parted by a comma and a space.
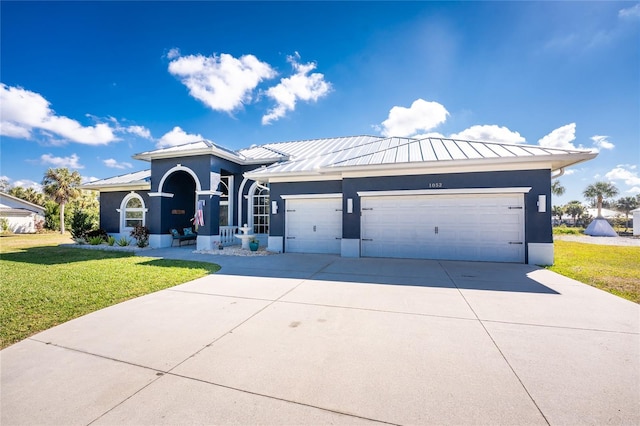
560, 173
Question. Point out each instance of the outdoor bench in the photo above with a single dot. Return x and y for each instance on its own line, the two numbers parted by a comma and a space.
186, 235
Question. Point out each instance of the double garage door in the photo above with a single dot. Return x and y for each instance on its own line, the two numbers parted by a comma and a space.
486, 227
482, 227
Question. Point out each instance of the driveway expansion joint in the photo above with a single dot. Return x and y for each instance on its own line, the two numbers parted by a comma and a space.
282, 399
497, 347
357, 308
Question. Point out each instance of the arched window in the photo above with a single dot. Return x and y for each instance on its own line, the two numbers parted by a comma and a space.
261, 210
132, 212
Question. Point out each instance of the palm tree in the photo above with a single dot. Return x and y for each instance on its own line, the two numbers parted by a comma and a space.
558, 211
61, 186
600, 191
574, 209
557, 188
625, 205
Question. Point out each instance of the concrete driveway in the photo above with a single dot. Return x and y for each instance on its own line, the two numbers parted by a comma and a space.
314, 339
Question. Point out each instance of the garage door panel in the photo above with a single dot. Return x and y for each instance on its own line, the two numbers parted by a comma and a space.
313, 225
455, 227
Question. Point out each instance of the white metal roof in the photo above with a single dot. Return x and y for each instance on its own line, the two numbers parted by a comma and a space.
9, 202
349, 153
140, 179
189, 149
373, 152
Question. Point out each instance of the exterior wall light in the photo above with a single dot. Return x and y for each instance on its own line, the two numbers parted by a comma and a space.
542, 203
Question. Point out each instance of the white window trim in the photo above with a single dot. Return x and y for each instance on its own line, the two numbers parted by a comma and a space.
250, 195
123, 211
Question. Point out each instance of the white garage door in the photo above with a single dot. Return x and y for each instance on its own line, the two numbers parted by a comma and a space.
313, 225
487, 227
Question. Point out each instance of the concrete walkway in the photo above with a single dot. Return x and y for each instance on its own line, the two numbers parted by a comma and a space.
315, 339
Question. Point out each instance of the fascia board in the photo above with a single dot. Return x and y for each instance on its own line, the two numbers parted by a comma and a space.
145, 186
206, 151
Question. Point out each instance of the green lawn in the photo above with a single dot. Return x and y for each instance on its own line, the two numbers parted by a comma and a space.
44, 285
611, 268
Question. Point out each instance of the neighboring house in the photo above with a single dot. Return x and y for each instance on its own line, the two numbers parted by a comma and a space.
636, 221
21, 215
354, 196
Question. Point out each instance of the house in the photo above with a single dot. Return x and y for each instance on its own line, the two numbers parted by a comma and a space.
636, 222
355, 196
21, 215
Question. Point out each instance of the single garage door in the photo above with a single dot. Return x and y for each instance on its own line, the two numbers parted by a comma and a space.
481, 227
313, 225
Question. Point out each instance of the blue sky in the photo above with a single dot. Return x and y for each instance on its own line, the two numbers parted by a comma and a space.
85, 85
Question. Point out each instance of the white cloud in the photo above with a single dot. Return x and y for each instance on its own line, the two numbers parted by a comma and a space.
173, 53
601, 142
177, 136
14, 130
300, 86
141, 131
223, 83
634, 190
625, 173
87, 179
562, 137
68, 162
569, 172
22, 111
110, 162
419, 117
28, 183
429, 135
630, 12
489, 133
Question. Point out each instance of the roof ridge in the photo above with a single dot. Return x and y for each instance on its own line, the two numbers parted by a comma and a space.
292, 160
317, 139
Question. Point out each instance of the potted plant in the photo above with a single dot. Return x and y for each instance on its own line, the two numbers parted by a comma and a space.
253, 244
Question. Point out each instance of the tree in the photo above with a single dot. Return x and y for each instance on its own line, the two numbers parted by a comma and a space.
574, 209
558, 211
4, 184
625, 205
61, 186
29, 194
600, 191
557, 188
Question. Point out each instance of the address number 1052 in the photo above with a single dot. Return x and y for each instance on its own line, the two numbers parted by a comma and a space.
435, 184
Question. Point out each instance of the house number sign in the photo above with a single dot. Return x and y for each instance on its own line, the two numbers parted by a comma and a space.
435, 184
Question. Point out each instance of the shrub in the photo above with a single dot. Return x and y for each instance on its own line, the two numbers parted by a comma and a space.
39, 224
111, 240
52, 215
123, 242
141, 234
564, 230
97, 233
4, 225
94, 241
80, 223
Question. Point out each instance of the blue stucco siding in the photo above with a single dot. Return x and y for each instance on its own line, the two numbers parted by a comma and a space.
110, 202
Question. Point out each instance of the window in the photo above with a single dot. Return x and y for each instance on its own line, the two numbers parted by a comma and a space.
132, 212
261, 210
224, 201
